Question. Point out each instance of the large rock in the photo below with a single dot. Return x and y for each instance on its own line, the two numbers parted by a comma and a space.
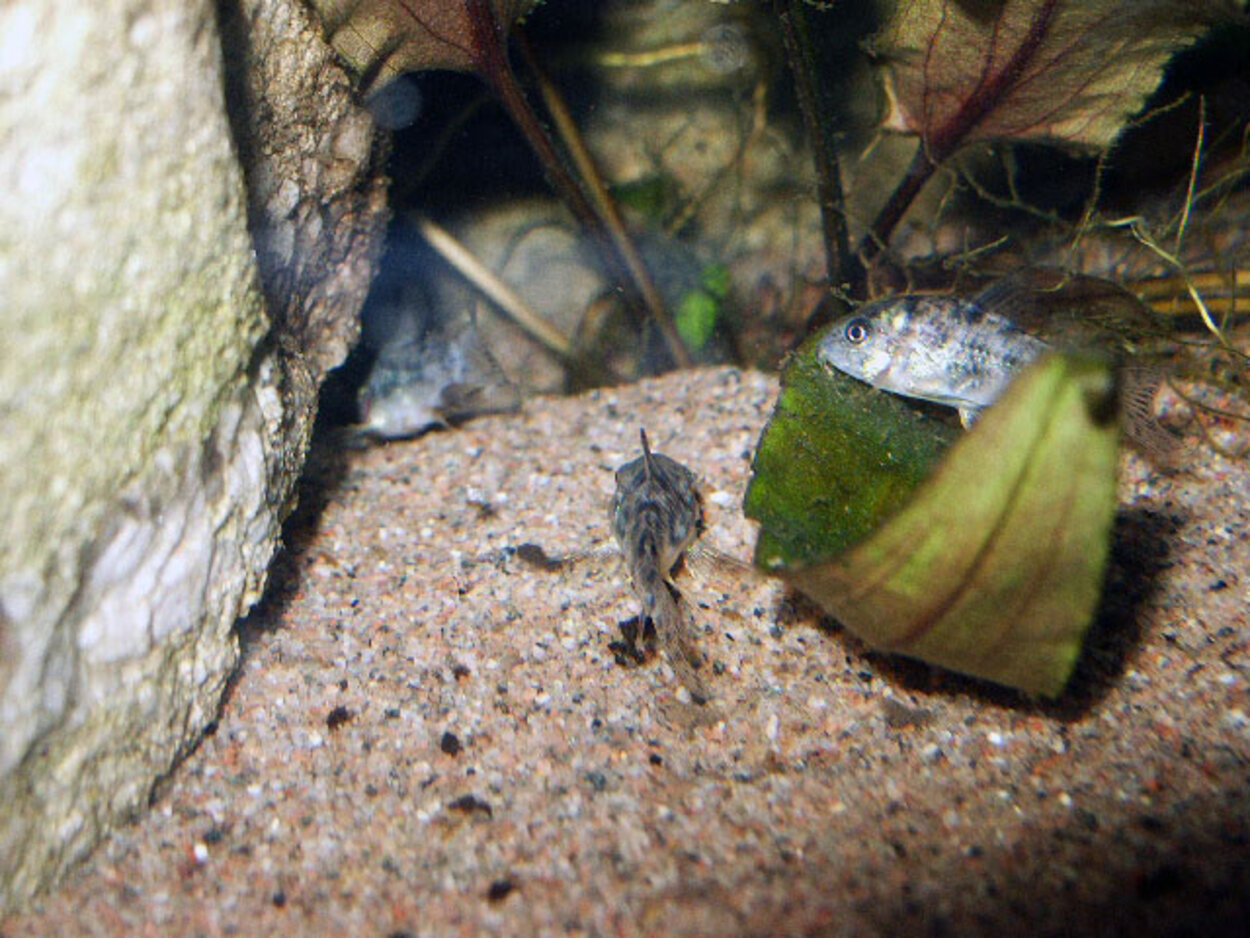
158, 375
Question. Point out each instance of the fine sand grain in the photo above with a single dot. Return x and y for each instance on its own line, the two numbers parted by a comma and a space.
429, 737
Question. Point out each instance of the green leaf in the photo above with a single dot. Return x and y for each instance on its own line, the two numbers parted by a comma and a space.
716, 280
993, 565
699, 309
696, 318
652, 196
1061, 71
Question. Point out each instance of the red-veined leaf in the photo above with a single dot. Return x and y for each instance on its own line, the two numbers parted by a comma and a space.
381, 39
1060, 71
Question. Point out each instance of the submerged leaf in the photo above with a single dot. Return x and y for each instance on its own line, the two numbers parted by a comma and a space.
382, 39
699, 309
1060, 71
837, 458
992, 566
696, 318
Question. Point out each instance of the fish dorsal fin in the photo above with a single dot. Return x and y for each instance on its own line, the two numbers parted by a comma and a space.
1014, 295
648, 465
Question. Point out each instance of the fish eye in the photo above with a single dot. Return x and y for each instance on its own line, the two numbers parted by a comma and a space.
857, 331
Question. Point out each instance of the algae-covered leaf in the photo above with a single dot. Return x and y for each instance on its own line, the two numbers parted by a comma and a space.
1059, 71
382, 39
836, 459
993, 565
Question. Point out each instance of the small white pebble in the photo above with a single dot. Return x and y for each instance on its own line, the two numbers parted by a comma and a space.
721, 499
1065, 799
426, 533
995, 738
201, 852
1236, 719
772, 728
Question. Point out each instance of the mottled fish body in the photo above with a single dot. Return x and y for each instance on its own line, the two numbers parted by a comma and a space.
657, 512
419, 383
946, 349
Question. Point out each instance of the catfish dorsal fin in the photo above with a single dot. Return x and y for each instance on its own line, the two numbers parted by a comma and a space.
646, 456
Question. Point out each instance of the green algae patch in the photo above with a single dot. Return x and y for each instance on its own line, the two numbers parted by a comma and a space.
837, 458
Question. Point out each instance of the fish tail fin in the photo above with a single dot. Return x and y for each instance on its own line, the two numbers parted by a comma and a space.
669, 615
1138, 386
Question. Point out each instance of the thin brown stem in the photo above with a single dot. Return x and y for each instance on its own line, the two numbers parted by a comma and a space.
878, 235
605, 206
496, 71
843, 272
507, 300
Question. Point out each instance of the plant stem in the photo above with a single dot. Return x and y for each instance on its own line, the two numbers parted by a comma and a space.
489, 43
874, 242
497, 72
843, 272
606, 208
502, 295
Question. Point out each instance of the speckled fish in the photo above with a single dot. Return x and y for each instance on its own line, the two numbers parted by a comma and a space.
944, 349
657, 512
419, 383
964, 352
